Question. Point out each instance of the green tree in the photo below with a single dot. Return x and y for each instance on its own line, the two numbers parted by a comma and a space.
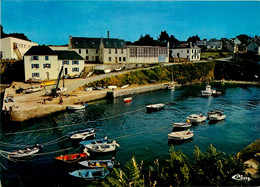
193, 39
130, 176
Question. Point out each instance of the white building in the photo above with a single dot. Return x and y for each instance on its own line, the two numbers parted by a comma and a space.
186, 51
41, 63
14, 48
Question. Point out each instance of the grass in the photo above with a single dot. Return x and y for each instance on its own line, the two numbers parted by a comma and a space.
215, 55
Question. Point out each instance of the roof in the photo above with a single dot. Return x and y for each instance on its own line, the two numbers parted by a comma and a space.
184, 45
84, 43
40, 50
113, 43
68, 55
94, 43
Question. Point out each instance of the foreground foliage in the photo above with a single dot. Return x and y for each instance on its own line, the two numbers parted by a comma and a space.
211, 168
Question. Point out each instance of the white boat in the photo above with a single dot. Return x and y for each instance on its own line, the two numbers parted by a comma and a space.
33, 89
239, 177
181, 125
97, 163
154, 107
118, 69
181, 135
76, 107
171, 87
112, 87
95, 141
208, 91
90, 174
195, 118
83, 135
25, 152
102, 148
107, 70
125, 86
88, 89
61, 90
216, 115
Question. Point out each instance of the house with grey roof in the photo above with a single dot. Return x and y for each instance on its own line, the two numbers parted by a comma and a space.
43, 63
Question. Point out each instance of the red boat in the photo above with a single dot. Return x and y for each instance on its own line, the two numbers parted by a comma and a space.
128, 99
72, 157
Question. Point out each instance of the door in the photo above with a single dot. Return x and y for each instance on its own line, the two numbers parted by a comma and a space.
116, 59
66, 71
48, 75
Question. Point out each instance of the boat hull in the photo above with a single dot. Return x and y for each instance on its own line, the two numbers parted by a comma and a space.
181, 125
194, 118
181, 135
90, 174
76, 107
97, 163
72, 157
155, 107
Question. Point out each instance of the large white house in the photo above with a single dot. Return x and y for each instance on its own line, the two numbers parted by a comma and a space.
14, 48
186, 50
41, 63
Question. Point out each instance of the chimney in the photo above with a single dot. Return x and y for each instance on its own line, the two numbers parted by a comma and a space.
107, 34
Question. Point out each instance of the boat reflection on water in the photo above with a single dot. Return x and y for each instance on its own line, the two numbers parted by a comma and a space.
179, 142
216, 122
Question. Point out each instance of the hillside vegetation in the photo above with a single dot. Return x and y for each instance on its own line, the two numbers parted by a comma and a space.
181, 73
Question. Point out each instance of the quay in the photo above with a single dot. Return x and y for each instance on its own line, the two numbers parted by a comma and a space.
27, 106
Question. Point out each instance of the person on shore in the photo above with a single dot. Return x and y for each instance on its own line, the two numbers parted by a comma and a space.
61, 101
10, 109
44, 101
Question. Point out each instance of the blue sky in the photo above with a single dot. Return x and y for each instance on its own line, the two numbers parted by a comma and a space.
52, 22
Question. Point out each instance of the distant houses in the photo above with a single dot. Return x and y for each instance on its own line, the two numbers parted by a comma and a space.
41, 63
14, 48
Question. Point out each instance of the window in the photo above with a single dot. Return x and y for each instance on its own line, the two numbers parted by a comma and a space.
115, 51
65, 62
35, 57
109, 59
86, 51
46, 57
96, 51
35, 66
188, 51
75, 69
109, 51
96, 58
123, 58
93, 58
46, 65
119, 58
35, 74
75, 62
79, 51
122, 51
86, 57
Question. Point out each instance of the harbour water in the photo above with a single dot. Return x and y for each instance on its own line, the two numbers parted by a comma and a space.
140, 134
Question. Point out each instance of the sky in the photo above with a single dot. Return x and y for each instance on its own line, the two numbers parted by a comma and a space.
51, 22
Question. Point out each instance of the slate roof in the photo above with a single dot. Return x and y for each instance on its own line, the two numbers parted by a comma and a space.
40, 50
94, 43
183, 45
113, 43
68, 55
84, 43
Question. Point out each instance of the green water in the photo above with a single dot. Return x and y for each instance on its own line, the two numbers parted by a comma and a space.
140, 134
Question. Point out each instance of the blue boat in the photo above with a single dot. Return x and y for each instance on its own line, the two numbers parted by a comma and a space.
90, 174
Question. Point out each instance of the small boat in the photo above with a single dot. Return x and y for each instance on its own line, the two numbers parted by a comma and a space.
107, 70
61, 90
90, 174
171, 87
195, 118
83, 134
76, 107
73, 157
128, 99
96, 141
33, 89
102, 148
125, 86
154, 107
48, 83
208, 91
218, 93
112, 87
239, 177
25, 152
88, 89
181, 125
181, 135
118, 69
98, 163
216, 115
